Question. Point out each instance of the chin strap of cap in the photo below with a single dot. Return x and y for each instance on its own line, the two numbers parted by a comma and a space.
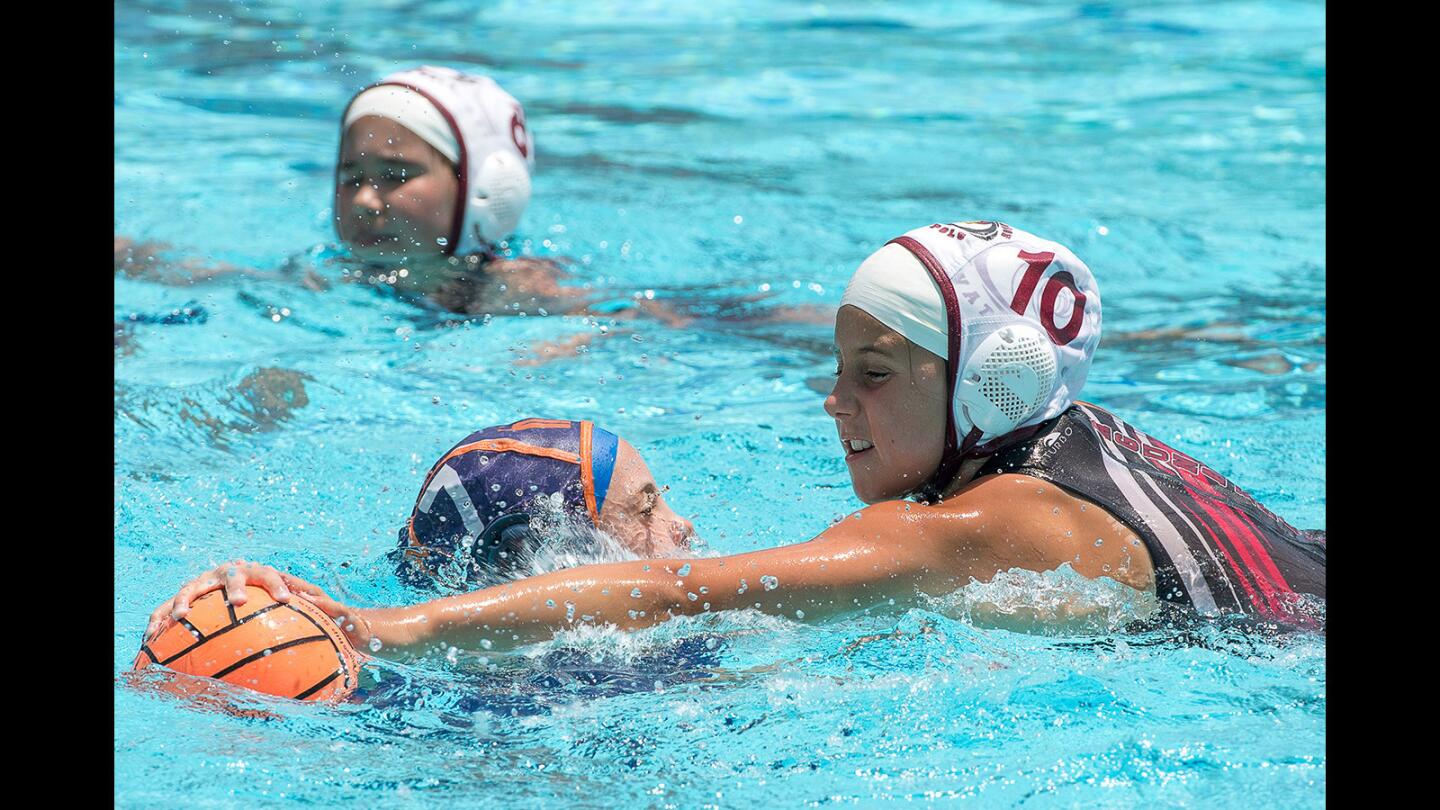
462, 169
957, 449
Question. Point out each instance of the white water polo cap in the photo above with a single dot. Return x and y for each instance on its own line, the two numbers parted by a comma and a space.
1016, 317
483, 134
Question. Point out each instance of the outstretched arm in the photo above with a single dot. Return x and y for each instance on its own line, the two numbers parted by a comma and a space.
883, 554
146, 261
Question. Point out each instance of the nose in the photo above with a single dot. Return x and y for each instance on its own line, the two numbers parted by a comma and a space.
366, 200
839, 403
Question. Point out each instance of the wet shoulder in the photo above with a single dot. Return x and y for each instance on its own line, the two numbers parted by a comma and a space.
1039, 525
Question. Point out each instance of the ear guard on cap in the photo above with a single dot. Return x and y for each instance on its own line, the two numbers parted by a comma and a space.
506, 534
1007, 379
499, 195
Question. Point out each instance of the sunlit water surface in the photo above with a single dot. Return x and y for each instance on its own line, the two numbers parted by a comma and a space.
709, 150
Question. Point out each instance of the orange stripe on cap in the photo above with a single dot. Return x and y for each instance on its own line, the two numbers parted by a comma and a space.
418, 553
512, 446
527, 424
587, 470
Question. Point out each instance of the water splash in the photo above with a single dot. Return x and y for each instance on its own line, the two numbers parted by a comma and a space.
1048, 602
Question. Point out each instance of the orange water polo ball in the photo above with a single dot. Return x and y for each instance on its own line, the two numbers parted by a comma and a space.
292, 649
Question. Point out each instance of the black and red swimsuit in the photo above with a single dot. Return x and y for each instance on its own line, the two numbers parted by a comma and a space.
1214, 547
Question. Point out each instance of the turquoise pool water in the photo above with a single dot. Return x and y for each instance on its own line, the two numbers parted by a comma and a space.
709, 150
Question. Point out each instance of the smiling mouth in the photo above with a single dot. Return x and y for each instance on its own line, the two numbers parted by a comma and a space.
854, 447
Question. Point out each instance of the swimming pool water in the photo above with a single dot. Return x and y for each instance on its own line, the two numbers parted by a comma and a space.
704, 151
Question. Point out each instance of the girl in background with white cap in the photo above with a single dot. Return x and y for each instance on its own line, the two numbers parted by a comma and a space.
961, 348
433, 172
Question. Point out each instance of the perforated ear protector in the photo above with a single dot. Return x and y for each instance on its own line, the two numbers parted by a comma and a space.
499, 195
1007, 378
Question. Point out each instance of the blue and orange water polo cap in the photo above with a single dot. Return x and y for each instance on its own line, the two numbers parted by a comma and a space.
479, 501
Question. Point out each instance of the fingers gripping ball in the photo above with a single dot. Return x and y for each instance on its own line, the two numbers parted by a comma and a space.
292, 650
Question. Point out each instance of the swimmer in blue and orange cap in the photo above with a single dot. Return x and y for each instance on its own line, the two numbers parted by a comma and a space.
539, 488
509, 501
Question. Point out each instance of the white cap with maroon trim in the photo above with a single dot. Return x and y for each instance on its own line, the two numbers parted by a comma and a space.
1016, 317
496, 150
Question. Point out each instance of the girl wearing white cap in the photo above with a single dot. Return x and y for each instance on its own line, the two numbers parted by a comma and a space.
961, 348
433, 171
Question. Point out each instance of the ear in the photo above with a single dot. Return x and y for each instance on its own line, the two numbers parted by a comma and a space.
507, 533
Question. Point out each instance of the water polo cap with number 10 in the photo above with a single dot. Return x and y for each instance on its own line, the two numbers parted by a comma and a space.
1016, 317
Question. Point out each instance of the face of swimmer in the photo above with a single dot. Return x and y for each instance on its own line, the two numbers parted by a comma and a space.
395, 194
888, 404
635, 511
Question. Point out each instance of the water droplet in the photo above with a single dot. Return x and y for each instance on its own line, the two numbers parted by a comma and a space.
635, 592
486, 643
799, 614
375, 645
632, 613
770, 583
744, 586
549, 603
684, 570
691, 596
1099, 542
494, 487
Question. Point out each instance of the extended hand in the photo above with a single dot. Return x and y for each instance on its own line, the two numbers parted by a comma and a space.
233, 577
